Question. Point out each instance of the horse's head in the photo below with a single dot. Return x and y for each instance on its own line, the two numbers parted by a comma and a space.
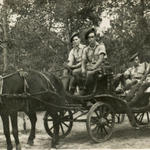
39, 82
56, 83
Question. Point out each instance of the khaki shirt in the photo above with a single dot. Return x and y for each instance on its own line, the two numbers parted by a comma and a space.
91, 55
137, 72
75, 54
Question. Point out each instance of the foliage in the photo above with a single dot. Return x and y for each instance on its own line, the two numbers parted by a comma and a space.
129, 30
40, 36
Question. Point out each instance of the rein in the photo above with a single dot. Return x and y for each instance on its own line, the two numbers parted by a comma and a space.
48, 80
77, 107
27, 95
57, 70
11, 74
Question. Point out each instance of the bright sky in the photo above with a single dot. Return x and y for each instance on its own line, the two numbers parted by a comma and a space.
105, 24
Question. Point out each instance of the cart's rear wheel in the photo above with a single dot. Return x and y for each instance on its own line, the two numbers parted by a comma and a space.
142, 118
119, 118
100, 122
65, 123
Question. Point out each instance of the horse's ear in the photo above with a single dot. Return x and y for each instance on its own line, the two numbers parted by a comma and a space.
58, 83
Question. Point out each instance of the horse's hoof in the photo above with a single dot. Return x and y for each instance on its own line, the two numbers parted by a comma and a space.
53, 145
18, 147
30, 142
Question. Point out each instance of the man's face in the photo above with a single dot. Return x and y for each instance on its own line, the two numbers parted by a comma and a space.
136, 61
75, 41
91, 38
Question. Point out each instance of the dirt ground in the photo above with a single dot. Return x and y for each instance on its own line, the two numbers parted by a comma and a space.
124, 137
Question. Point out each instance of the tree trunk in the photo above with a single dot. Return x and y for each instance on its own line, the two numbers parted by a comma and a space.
5, 61
5, 38
142, 27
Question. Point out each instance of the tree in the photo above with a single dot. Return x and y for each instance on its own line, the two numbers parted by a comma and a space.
40, 36
38, 32
129, 29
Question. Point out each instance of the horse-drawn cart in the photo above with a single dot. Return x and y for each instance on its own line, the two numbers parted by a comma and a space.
99, 111
34, 90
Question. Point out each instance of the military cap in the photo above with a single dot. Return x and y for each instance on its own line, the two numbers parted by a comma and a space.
133, 56
73, 35
90, 30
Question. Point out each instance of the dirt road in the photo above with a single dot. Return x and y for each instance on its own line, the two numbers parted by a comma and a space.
124, 137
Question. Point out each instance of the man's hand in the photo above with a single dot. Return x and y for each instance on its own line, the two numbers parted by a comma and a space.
91, 68
65, 65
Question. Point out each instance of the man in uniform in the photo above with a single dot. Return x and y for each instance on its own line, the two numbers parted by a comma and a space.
94, 56
74, 63
137, 81
136, 72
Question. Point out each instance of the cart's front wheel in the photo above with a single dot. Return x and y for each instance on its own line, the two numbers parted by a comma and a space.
65, 123
100, 122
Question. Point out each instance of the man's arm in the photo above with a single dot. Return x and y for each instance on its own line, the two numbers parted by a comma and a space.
99, 62
75, 66
101, 52
83, 63
147, 67
127, 73
70, 59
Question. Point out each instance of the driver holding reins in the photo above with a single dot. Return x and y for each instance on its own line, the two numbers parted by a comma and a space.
73, 66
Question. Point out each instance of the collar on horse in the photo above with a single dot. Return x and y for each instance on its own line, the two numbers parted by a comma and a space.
22, 74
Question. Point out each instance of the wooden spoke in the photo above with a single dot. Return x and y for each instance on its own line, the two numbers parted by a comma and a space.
65, 123
104, 123
142, 118
62, 129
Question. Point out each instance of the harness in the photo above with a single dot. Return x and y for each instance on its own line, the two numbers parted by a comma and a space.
25, 93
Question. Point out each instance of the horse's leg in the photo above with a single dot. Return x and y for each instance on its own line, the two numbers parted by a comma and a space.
14, 121
33, 119
24, 123
5, 120
55, 138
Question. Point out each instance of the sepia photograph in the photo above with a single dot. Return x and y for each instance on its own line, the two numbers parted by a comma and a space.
74, 74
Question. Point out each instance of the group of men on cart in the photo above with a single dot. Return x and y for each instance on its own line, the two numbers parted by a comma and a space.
85, 61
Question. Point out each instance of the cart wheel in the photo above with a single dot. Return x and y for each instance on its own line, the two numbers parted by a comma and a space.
100, 122
65, 123
142, 118
119, 118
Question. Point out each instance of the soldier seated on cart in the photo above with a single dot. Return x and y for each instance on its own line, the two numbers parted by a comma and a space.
73, 67
94, 56
136, 72
137, 80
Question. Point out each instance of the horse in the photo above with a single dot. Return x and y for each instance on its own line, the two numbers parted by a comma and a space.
26, 91
69, 98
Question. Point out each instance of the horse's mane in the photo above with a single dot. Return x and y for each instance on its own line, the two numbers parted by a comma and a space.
55, 81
